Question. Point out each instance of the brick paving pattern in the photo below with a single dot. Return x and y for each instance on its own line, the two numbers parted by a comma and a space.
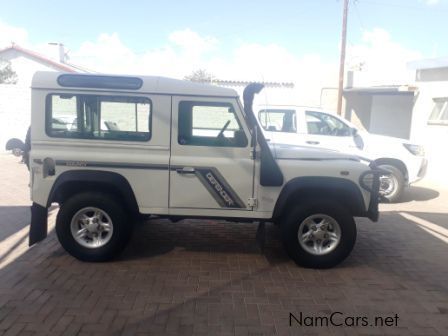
211, 278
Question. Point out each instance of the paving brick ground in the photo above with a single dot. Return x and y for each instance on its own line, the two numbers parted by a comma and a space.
210, 278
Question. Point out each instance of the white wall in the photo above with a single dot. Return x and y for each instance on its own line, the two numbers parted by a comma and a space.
15, 107
391, 115
15, 99
24, 66
357, 109
433, 137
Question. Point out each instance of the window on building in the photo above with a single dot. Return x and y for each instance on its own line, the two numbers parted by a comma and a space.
98, 117
278, 120
439, 114
209, 124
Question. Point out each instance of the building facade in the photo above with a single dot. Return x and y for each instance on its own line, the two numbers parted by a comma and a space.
15, 99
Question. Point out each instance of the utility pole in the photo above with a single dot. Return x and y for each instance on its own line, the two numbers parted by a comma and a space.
342, 59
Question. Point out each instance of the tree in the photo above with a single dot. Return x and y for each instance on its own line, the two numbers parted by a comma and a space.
7, 74
200, 75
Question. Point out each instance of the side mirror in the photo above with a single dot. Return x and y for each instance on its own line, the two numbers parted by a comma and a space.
359, 142
353, 131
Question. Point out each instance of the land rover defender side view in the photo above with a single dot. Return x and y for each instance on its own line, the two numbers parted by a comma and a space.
111, 149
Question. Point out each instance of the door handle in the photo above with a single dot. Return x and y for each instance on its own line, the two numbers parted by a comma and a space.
313, 142
186, 170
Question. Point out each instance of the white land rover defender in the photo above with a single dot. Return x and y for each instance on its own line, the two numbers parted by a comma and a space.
111, 149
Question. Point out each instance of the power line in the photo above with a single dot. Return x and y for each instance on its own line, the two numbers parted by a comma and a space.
355, 6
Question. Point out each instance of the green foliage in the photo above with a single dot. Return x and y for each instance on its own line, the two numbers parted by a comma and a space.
201, 76
7, 74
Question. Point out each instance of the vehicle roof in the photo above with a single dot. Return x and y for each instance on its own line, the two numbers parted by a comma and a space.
292, 107
151, 84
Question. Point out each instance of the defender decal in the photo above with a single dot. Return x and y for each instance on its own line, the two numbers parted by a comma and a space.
218, 187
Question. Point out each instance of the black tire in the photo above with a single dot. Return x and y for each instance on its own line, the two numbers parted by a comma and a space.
398, 183
290, 230
121, 223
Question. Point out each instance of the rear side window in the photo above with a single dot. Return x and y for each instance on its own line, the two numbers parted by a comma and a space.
98, 117
278, 120
209, 124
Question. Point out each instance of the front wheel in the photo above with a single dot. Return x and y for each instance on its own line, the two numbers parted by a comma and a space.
392, 185
319, 234
93, 226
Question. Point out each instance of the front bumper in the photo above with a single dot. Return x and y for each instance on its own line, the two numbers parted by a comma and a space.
417, 169
423, 169
374, 188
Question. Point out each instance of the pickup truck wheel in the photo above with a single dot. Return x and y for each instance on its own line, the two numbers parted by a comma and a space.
391, 186
319, 235
92, 226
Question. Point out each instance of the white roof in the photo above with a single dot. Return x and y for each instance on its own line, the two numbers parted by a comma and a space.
151, 84
430, 63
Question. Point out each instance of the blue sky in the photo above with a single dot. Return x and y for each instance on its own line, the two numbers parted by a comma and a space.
252, 40
300, 26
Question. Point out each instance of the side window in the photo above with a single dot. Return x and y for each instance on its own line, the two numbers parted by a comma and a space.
278, 120
209, 124
64, 114
324, 124
124, 118
98, 117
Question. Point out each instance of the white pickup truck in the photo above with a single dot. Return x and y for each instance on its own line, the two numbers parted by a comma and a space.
313, 127
176, 149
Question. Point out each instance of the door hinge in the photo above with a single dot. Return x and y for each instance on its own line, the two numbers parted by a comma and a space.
252, 202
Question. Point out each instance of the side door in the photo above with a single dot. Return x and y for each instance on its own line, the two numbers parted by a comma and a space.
327, 131
210, 166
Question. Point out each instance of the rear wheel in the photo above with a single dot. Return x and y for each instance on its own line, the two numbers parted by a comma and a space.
93, 226
319, 234
391, 186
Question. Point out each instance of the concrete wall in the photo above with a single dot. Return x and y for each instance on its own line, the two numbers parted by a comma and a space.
431, 75
358, 109
15, 107
329, 99
15, 99
392, 115
24, 66
433, 137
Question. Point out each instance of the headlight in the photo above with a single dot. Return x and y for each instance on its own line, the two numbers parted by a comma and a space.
415, 149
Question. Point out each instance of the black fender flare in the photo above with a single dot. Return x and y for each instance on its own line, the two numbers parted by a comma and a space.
341, 190
73, 181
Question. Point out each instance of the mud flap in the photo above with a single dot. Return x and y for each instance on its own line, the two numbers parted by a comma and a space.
39, 224
261, 236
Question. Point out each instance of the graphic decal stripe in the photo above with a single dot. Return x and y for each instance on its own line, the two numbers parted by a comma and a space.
218, 187
72, 163
210, 178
